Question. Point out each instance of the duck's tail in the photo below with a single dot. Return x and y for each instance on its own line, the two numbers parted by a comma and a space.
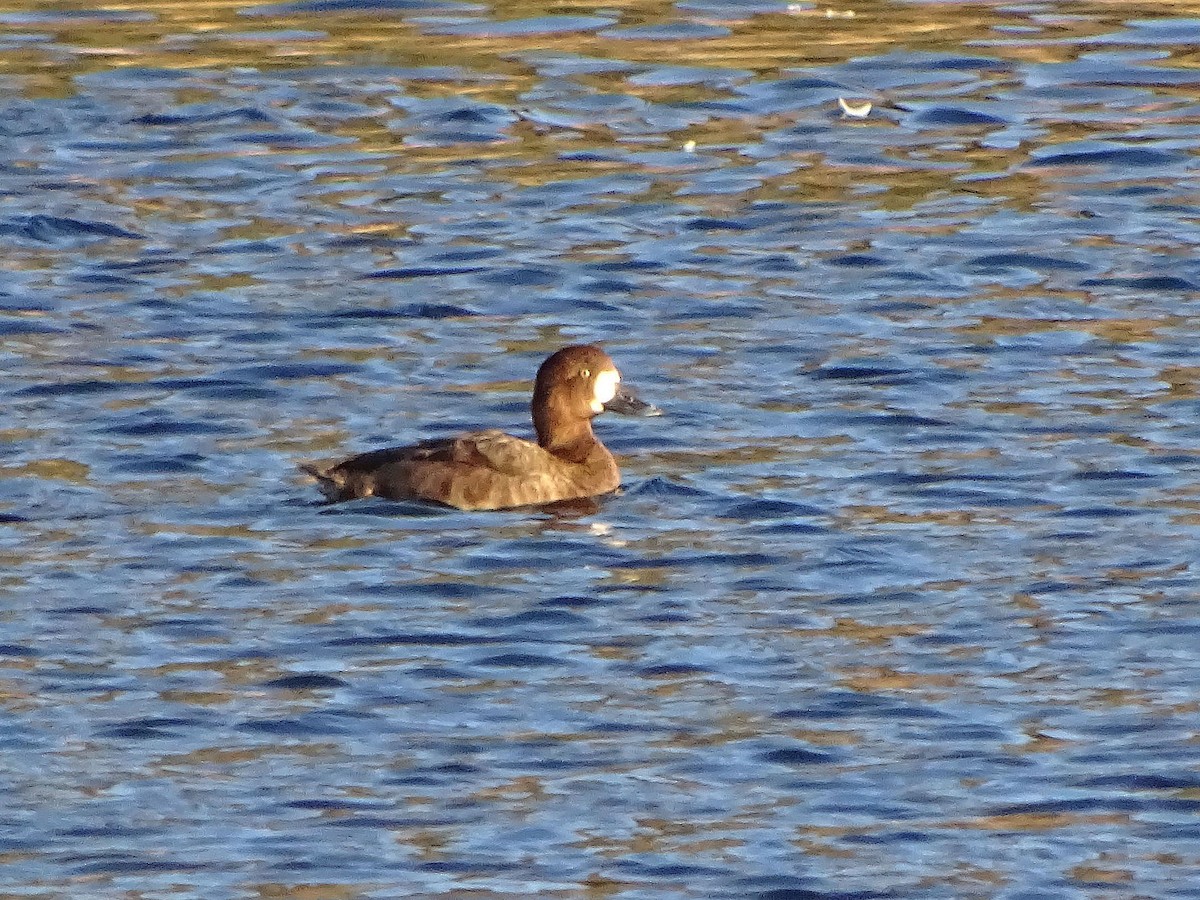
331, 482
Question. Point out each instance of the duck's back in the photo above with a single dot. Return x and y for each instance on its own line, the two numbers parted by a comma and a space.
480, 470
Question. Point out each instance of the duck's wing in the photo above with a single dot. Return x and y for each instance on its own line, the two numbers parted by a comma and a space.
495, 450
478, 451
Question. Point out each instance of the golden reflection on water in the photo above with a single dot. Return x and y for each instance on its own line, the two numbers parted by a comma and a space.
220, 36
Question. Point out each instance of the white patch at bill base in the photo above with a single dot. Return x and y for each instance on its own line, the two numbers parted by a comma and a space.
605, 388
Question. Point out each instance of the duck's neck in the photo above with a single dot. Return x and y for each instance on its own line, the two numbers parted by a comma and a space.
567, 439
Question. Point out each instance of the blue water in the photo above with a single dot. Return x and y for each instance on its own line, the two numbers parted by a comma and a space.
898, 599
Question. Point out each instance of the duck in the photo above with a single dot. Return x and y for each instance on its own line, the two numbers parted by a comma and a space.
490, 470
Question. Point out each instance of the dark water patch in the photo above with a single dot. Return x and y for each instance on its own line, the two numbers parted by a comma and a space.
909, 479
674, 670
900, 599
341, 803
52, 229
959, 498
314, 681
484, 866
536, 618
416, 639
971, 63
775, 264
1036, 262
956, 116
833, 705
1144, 283
149, 464
705, 223
1131, 157
1096, 512
409, 272
1111, 475
760, 510
237, 392
888, 420
147, 728
400, 313
871, 373
205, 114
18, 650
117, 863
13, 327
1048, 586
960, 733
151, 425
688, 561
858, 261
246, 247
291, 371
389, 823
520, 661
300, 727
101, 280
575, 602
82, 609
631, 265
435, 590
1165, 629
437, 673
667, 618
796, 756
190, 626
652, 868
902, 306
466, 254
523, 276
1107, 804
1176, 781
343, 242
23, 303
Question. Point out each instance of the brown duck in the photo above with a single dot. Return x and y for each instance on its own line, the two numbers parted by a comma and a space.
494, 470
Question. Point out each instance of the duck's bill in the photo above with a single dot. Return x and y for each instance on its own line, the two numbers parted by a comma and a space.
627, 403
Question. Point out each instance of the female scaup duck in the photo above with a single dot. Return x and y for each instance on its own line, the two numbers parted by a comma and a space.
493, 470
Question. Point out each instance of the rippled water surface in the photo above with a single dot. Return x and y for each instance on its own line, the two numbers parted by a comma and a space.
899, 598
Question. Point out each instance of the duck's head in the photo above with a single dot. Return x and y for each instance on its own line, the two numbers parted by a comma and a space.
577, 383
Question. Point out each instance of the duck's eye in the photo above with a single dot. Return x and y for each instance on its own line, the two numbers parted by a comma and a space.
586, 373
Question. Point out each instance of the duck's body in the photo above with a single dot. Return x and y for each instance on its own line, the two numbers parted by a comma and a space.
480, 470
491, 470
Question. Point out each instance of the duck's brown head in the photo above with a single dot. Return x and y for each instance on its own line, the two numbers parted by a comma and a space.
572, 386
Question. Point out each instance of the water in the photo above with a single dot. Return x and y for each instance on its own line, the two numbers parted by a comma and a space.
899, 597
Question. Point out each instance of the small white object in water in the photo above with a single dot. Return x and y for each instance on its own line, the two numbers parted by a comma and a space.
839, 14
689, 147
855, 111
